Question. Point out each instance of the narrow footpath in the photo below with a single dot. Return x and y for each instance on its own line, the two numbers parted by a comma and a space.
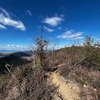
65, 91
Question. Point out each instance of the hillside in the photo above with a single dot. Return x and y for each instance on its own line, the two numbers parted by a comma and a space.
14, 59
71, 75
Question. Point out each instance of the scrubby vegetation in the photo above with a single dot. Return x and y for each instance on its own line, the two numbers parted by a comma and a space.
81, 64
29, 81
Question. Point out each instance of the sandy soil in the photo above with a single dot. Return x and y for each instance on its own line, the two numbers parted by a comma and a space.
66, 91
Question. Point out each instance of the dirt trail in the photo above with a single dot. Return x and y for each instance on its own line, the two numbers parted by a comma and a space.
66, 91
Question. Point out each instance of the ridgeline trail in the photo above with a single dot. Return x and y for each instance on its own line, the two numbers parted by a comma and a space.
65, 91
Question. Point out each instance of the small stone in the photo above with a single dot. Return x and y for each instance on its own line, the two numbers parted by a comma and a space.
84, 86
95, 89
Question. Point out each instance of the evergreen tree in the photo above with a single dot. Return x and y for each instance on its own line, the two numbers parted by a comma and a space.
41, 50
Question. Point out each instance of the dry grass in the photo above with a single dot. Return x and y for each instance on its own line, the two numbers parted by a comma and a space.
30, 84
88, 79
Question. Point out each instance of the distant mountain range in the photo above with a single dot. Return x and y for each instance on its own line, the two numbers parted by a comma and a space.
8, 51
21, 54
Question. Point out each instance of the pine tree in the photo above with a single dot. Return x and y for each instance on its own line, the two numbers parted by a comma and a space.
41, 51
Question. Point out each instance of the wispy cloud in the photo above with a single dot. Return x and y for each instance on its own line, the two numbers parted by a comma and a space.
28, 12
48, 29
4, 12
53, 21
6, 20
14, 47
71, 34
98, 40
2, 26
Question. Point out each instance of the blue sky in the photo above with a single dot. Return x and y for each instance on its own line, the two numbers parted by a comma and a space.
65, 21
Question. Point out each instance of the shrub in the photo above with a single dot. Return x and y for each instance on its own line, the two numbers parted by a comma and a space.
36, 87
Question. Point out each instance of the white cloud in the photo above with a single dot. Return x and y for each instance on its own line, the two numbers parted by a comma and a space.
98, 40
6, 20
2, 26
4, 12
28, 12
14, 47
71, 34
53, 21
48, 29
